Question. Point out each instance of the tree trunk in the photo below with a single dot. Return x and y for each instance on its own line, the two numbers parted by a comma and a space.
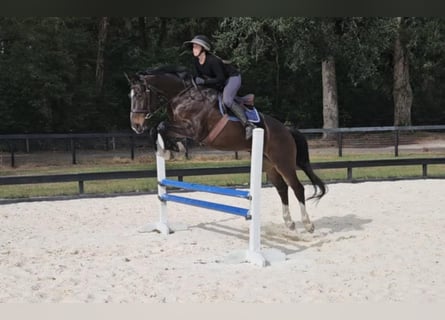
330, 103
162, 33
143, 31
277, 75
402, 93
102, 37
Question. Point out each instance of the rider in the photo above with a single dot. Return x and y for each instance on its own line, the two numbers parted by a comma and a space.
212, 71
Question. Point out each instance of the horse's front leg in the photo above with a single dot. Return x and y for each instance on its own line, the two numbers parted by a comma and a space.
168, 144
172, 133
153, 134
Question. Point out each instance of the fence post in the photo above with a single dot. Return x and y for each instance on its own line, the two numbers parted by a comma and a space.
396, 143
132, 146
424, 170
11, 149
340, 144
349, 173
73, 150
81, 187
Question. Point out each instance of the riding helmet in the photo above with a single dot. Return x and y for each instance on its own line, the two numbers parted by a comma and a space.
201, 40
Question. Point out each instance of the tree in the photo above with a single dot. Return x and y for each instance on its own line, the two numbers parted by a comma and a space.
356, 43
330, 101
257, 47
102, 37
66, 73
423, 40
402, 92
308, 45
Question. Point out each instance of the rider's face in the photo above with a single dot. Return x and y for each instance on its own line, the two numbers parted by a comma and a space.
197, 49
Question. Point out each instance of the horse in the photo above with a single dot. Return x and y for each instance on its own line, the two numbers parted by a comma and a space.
193, 112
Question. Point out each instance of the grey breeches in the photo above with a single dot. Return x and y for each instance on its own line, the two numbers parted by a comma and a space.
231, 89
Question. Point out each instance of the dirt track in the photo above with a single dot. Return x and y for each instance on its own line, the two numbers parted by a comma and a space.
374, 241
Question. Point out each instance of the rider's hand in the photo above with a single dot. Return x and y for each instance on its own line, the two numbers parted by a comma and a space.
199, 80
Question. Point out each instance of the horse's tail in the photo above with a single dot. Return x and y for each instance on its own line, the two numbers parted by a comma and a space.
304, 163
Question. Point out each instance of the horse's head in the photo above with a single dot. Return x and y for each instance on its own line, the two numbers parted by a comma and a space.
147, 87
144, 102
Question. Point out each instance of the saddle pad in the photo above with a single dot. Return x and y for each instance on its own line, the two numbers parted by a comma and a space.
251, 114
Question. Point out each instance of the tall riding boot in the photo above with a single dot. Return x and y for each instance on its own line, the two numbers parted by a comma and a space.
239, 113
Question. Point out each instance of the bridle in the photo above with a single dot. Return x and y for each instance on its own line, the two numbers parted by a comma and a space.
150, 90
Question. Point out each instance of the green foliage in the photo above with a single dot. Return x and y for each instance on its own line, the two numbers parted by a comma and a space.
40, 64
291, 49
48, 67
425, 39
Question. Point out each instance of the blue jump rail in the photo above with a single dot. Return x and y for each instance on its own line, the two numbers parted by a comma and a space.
207, 205
210, 189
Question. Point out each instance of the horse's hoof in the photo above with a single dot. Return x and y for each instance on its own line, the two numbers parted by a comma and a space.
291, 226
309, 227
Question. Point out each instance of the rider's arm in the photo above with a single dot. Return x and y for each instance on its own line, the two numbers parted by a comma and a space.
218, 71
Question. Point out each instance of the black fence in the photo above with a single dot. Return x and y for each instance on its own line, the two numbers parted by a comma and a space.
181, 173
340, 134
69, 142
129, 142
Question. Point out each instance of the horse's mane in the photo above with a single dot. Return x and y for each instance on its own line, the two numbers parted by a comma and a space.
179, 71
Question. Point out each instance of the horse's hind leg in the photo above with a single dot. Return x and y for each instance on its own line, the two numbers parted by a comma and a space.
298, 189
291, 179
277, 180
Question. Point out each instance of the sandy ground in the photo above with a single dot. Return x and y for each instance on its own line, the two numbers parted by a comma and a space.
374, 241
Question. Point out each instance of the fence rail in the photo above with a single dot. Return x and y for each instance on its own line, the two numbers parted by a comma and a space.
12, 139
23, 136
80, 178
396, 130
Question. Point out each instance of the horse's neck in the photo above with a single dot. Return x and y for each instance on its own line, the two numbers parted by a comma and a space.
170, 84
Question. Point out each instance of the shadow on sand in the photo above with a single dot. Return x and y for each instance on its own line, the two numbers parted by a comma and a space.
278, 236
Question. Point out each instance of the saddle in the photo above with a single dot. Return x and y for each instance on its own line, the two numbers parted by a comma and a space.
251, 112
248, 100
249, 109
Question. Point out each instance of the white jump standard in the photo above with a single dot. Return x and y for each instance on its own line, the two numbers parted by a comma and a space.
254, 254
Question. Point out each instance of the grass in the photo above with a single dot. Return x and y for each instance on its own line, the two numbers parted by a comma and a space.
149, 185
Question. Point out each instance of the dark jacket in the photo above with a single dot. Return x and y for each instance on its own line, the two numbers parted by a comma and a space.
214, 71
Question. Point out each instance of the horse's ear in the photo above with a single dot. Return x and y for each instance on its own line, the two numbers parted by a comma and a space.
128, 78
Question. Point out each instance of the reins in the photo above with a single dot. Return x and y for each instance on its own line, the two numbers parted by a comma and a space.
163, 95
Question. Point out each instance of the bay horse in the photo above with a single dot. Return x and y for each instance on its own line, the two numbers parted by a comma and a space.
192, 112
